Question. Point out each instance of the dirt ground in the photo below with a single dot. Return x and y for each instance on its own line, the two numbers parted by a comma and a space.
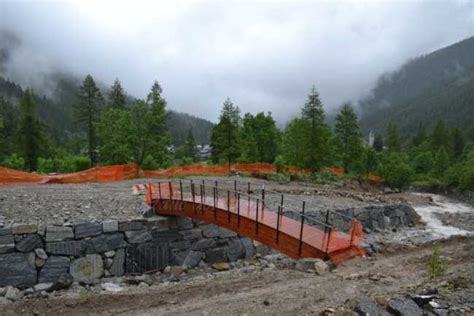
274, 291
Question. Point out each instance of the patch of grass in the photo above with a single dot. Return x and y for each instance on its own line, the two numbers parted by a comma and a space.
437, 265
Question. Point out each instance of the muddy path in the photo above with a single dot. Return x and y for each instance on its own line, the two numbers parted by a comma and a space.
268, 290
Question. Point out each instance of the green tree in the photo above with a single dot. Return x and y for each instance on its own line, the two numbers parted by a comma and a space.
439, 137
420, 136
458, 142
294, 142
260, 138
156, 122
190, 146
87, 112
118, 99
441, 162
140, 133
392, 141
423, 162
371, 161
318, 134
30, 132
114, 131
226, 142
378, 143
395, 170
349, 139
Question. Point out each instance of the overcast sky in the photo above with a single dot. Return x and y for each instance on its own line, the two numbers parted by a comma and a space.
264, 55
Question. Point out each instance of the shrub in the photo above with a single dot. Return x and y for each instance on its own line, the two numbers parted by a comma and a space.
467, 178
149, 163
437, 265
423, 163
395, 171
14, 162
279, 163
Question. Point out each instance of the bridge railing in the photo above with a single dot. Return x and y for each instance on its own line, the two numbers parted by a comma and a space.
213, 196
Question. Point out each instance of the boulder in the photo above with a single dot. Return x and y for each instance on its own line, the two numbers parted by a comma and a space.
368, 307
87, 269
404, 307
216, 255
138, 236
226, 233
58, 233
110, 226
235, 249
7, 230
221, 266
105, 242
87, 230
132, 225
67, 248
192, 259
249, 250
29, 243
64, 281
181, 245
210, 231
320, 267
7, 244
40, 253
165, 235
203, 244
21, 229
191, 234
17, 270
117, 267
12, 293
184, 223
53, 268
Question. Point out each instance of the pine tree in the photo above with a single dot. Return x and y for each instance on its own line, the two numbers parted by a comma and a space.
439, 137
226, 135
190, 146
441, 162
458, 142
30, 132
318, 134
349, 138
156, 123
260, 138
294, 142
392, 142
420, 136
378, 143
118, 99
87, 112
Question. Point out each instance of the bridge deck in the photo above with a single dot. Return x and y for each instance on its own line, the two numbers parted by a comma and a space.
245, 216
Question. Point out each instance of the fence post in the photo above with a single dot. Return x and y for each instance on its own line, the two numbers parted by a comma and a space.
194, 198
171, 195
159, 189
326, 222
263, 197
281, 202
329, 238
181, 194
215, 211
353, 232
301, 229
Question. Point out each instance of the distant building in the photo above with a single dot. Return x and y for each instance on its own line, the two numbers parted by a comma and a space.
204, 151
371, 139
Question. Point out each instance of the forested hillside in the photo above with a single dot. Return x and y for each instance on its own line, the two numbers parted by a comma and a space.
427, 88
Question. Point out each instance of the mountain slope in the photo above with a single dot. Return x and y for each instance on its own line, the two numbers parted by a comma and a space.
424, 89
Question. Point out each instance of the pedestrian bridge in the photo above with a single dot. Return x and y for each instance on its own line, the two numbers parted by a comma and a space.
290, 229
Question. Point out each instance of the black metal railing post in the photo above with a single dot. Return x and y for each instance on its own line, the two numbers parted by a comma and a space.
326, 222
159, 189
181, 194
215, 210
194, 197
301, 229
228, 206
171, 195
263, 197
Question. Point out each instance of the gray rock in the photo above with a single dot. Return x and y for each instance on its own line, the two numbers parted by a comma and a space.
58, 233
307, 264
110, 226
203, 244
210, 231
177, 257
109, 254
141, 258
12, 293
404, 307
235, 249
87, 269
320, 267
165, 236
67, 248
158, 223
53, 268
40, 253
41, 230
20, 229
191, 234
106, 242
64, 281
138, 236
29, 243
181, 245
7, 230
17, 270
184, 223
7, 244
132, 225
87, 230
39, 262
42, 287
117, 267
226, 233
192, 259
216, 255
249, 249
3, 300
368, 307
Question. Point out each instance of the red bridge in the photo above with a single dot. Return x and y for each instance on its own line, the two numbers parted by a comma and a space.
290, 230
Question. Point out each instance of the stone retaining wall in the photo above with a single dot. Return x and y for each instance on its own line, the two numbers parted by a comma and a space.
31, 253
